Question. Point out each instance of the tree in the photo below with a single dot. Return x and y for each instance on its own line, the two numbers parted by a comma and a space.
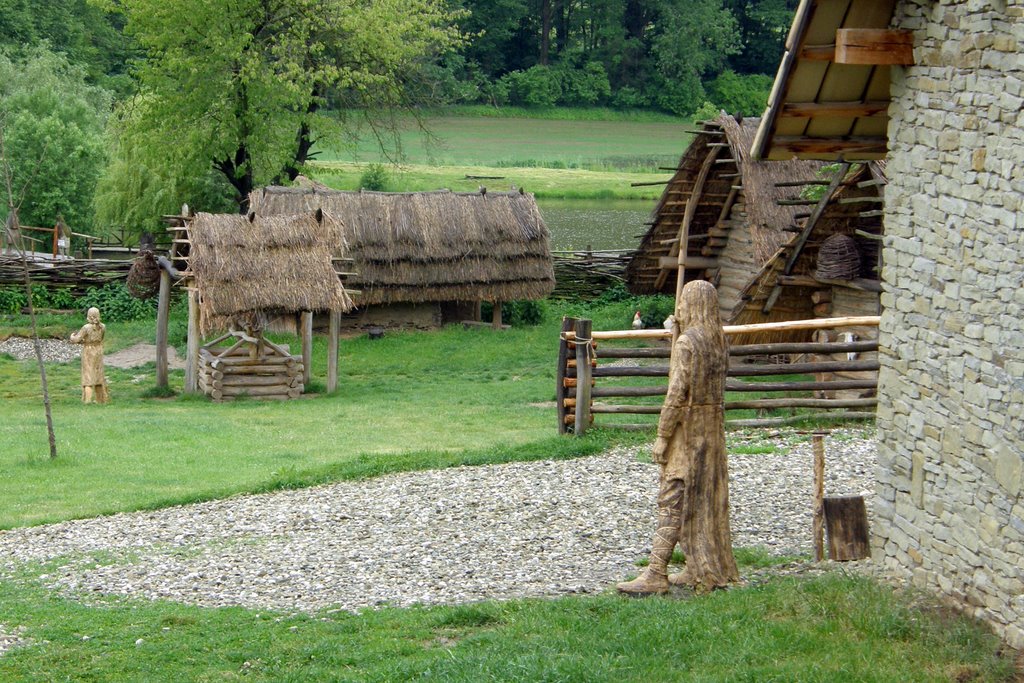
54, 143
247, 87
694, 38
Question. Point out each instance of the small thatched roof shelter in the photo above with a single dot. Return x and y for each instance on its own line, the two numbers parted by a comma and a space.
431, 246
253, 266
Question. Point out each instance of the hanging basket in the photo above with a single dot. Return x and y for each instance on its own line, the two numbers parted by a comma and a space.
144, 277
838, 259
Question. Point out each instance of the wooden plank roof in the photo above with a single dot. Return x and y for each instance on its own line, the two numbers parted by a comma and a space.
819, 108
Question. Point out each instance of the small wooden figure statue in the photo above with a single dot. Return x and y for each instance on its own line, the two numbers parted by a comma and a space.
94, 384
693, 496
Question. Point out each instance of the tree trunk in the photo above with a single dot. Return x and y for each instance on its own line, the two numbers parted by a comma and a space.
545, 31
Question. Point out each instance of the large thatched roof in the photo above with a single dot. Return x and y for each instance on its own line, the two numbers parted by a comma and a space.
733, 180
431, 246
262, 265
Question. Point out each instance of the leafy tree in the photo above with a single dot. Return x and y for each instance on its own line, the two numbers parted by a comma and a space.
763, 26
744, 94
89, 37
693, 39
245, 87
54, 141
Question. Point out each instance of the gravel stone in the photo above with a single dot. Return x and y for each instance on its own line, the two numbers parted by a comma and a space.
455, 535
54, 350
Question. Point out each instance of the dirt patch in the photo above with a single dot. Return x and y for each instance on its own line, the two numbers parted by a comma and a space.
140, 354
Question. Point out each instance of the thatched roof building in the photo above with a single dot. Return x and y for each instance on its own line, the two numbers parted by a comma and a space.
251, 267
431, 246
725, 207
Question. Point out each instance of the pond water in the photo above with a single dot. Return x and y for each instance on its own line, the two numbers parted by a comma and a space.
600, 223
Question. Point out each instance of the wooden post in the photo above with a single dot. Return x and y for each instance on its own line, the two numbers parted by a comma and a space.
162, 313
846, 519
819, 496
332, 351
568, 325
477, 315
496, 316
307, 344
192, 357
583, 375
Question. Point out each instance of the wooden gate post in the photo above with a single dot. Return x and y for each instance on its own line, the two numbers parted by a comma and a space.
162, 313
332, 351
583, 375
568, 325
192, 356
819, 497
307, 344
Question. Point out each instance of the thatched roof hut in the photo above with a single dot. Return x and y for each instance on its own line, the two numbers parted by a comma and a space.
262, 265
431, 246
726, 208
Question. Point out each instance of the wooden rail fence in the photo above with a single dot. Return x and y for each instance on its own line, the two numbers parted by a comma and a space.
579, 369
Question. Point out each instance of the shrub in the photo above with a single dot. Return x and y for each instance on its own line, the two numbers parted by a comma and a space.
116, 303
516, 313
744, 94
12, 300
706, 112
375, 177
538, 86
584, 86
628, 97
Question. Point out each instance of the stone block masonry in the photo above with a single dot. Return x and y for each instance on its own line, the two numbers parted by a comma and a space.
950, 514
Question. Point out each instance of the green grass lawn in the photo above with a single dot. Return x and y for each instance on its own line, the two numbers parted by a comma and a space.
407, 401
831, 628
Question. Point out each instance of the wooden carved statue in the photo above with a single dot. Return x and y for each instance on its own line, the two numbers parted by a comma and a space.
94, 384
693, 496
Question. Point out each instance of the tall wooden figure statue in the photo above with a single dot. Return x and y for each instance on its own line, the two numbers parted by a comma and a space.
693, 496
94, 384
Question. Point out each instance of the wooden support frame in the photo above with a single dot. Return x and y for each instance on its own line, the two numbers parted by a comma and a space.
306, 325
334, 328
583, 376
874, 46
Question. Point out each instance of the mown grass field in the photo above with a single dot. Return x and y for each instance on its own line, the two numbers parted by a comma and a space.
563, 158
438, 140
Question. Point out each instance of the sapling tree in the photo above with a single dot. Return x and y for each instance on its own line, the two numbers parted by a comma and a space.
16, 239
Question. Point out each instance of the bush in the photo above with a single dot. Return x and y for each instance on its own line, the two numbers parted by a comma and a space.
740, 94
538, 86
627, 97
375, 177
117, 304
706, 112
516, 313
584, 86
12, 300
44, 297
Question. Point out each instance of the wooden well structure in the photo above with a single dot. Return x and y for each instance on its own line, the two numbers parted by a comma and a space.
240, 272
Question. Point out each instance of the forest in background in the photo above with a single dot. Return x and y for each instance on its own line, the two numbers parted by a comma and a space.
115, 111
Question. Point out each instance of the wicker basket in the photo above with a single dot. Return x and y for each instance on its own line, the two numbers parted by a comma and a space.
838, 259
144, 276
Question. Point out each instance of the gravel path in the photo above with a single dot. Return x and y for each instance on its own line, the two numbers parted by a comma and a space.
63, 351
442, 536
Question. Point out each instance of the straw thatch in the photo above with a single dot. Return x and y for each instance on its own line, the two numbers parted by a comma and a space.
431, 246
254, 267
738, 196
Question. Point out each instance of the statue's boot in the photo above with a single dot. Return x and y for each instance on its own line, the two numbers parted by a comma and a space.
654, 578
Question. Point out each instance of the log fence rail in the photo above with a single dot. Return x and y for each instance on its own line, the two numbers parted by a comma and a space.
579, 371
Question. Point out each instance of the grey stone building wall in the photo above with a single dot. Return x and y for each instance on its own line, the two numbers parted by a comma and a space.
950, 514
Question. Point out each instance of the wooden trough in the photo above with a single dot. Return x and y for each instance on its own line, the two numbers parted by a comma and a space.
257, 368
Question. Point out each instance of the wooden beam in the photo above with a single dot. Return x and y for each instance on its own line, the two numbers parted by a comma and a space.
162, 314
854, 146
701, 262
818, 53
874, 46
814, 110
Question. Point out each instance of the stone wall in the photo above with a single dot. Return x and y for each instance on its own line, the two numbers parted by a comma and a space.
950, 514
